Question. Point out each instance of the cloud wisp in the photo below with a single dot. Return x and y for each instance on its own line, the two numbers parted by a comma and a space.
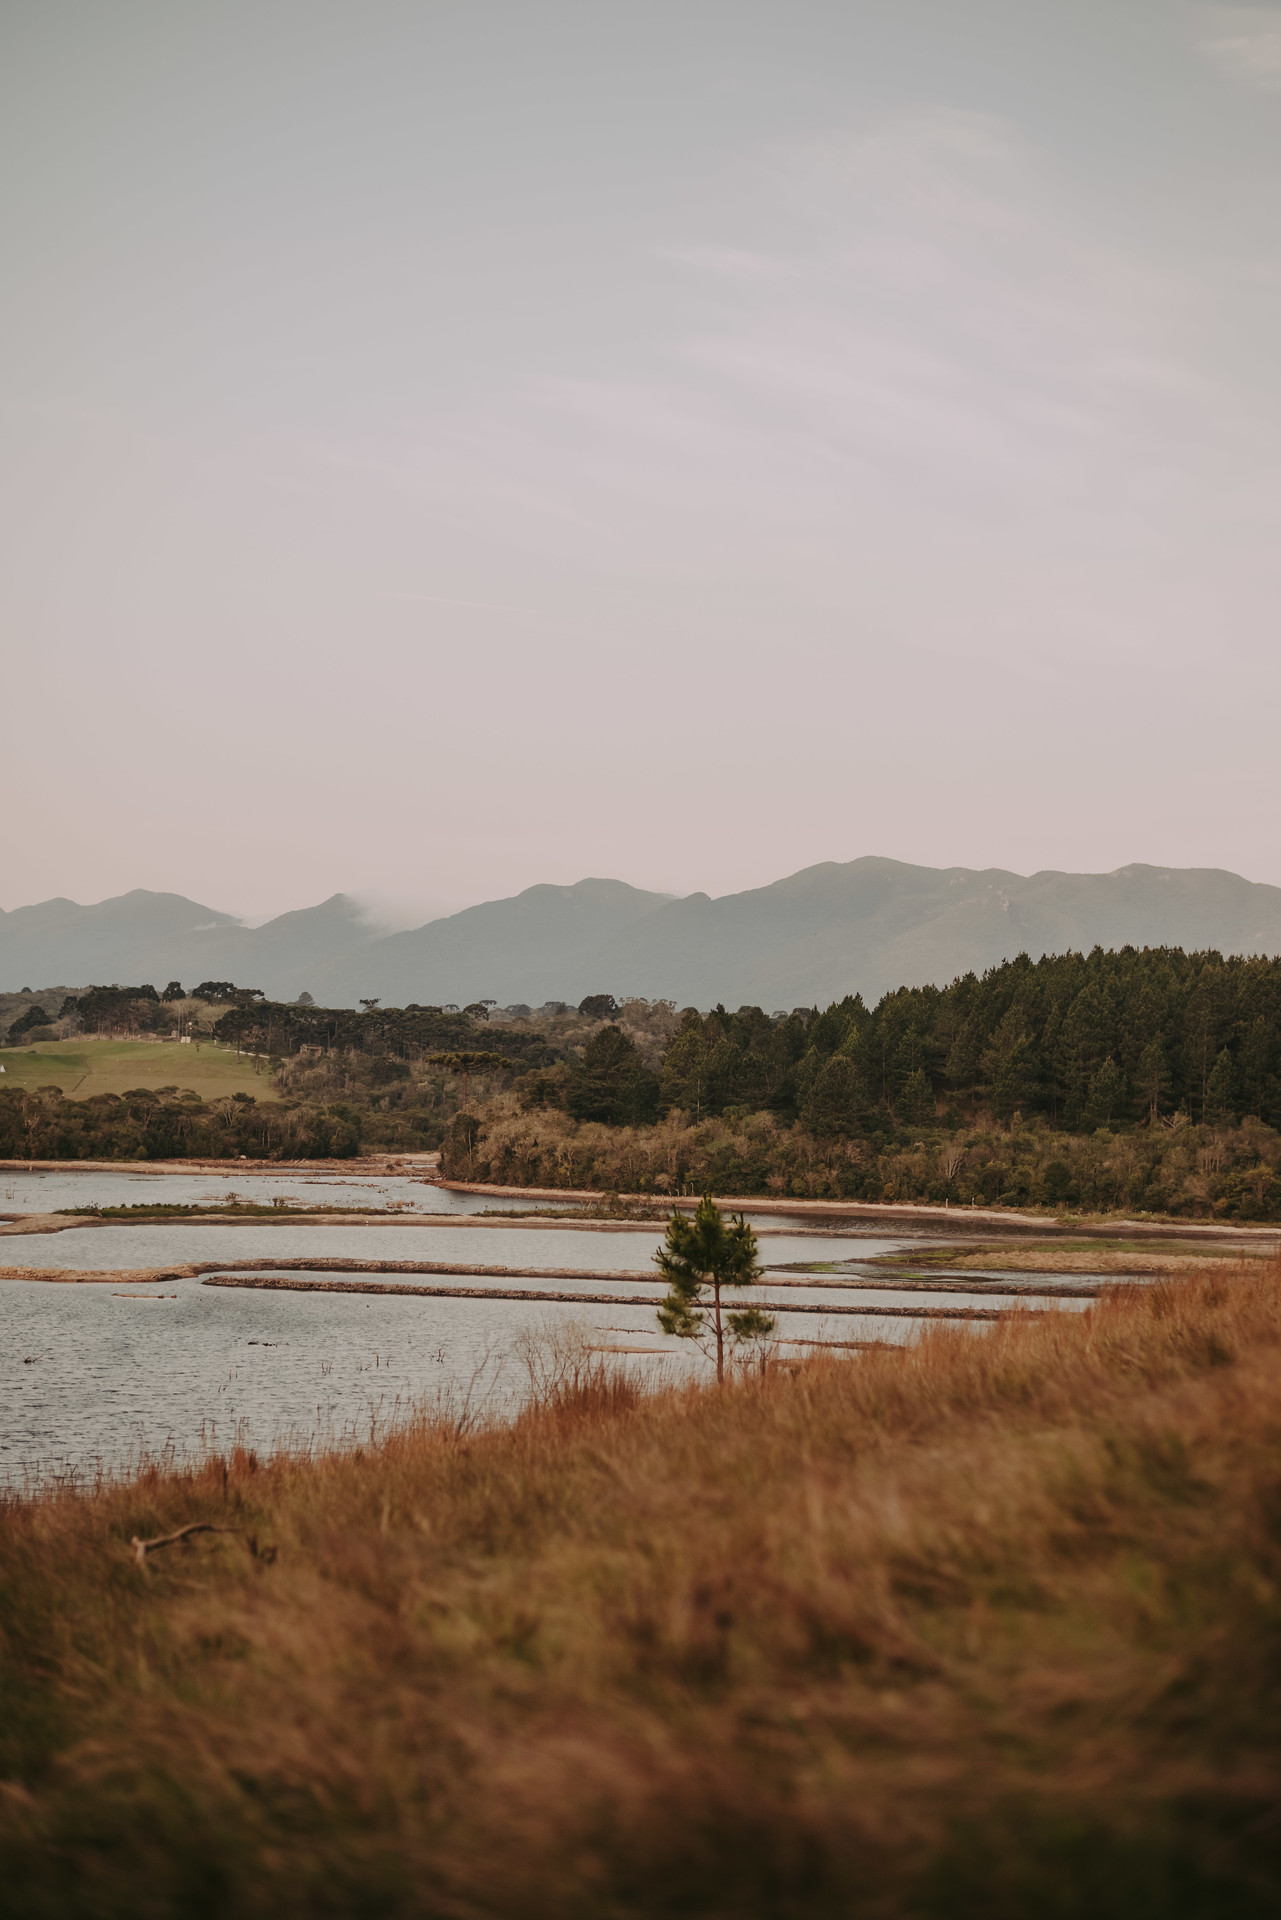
1244, 43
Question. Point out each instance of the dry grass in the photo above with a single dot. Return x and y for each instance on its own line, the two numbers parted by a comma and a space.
1127, 1257
989, 1627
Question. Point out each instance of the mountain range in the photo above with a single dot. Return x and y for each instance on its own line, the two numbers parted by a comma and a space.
863, 925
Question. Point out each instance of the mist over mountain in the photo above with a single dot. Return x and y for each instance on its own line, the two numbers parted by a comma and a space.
142, 937
539, 945
863, 925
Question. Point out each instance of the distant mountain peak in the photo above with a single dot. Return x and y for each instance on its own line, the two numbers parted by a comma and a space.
832, 928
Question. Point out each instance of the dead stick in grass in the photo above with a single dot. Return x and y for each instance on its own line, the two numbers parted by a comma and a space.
141, 1548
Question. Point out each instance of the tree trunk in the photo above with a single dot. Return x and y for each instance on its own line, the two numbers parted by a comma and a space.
720, 1337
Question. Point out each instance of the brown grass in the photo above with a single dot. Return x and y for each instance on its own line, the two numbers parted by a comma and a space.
1126, 1259
987, 1627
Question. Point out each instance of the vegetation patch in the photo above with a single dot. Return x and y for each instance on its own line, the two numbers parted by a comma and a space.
170, 1123
1067, 1256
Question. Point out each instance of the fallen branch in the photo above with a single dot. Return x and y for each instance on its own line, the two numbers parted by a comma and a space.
141, 1548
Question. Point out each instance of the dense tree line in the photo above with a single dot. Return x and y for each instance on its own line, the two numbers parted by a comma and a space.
1145, 1080
402, 1033
1084, 1041
168, 1123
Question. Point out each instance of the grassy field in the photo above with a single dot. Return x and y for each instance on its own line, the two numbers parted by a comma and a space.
85, 1067
983, 1629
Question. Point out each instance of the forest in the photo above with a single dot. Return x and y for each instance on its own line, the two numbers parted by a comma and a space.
1082, 1041
1146, 1079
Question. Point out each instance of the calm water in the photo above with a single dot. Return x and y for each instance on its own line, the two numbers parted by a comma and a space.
96, 1375
132, 1186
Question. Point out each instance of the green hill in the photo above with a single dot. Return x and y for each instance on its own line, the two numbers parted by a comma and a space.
87, 1067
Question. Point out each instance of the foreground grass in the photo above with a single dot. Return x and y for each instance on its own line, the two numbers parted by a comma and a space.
88, 1067
989, 1627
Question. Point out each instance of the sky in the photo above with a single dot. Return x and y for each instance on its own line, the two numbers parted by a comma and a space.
451, 446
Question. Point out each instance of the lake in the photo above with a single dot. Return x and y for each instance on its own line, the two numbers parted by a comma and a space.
94, 1378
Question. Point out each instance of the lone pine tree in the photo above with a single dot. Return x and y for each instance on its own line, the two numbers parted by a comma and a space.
702, 1254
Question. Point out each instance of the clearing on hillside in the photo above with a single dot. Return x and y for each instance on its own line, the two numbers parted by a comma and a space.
85, 1067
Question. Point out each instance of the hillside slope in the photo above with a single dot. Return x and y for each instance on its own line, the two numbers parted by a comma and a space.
547, 943
142, 937
874, 924
865, 925
862, 925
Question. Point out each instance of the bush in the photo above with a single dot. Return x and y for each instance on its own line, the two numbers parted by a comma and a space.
28, 1024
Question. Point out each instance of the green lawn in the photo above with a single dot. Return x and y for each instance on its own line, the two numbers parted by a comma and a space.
85, 1067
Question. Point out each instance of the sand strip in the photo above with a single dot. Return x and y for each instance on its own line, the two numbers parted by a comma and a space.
851, 1283
272, 1283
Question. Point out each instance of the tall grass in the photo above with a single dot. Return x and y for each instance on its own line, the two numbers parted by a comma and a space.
990, 1626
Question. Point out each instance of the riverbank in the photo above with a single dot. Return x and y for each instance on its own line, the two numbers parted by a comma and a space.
936, 1216
921, 1216
975, 1627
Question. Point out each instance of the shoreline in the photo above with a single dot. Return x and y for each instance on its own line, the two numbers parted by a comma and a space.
31, 1223
933, 1218
1260, 1240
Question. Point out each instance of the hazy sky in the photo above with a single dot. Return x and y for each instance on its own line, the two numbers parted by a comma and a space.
449, 446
